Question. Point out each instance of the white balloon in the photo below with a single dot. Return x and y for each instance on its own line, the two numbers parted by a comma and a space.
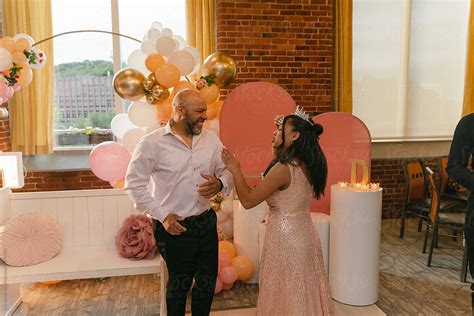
23, 35
40, 61
183, 60
148, 47
227, 206
165, 46
136, 60
153, 34
167, 32
227, 227
132, 137
121, 124
181, 41
193, 51
6, 59
142, 114
157, 25
196, 69
221, 216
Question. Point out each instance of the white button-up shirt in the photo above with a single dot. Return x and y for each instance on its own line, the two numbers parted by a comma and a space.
175, 170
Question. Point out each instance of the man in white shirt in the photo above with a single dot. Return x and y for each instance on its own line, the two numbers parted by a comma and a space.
185, 164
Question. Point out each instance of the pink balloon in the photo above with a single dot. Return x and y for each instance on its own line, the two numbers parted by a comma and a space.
4, 91
218, 286
109, 161
224, 260
228, 275
227, 286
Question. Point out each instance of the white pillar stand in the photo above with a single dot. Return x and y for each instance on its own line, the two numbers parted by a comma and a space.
354, 245
246, 232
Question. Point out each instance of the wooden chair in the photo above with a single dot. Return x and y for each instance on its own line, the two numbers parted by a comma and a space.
436, 219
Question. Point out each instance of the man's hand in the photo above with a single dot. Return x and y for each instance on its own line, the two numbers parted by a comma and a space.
210, 187
172, 225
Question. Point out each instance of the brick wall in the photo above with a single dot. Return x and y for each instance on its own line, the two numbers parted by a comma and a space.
286, 42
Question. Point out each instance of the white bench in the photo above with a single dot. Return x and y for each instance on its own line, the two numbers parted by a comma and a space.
89, 220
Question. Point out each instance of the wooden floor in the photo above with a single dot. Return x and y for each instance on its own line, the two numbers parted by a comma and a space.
407, 287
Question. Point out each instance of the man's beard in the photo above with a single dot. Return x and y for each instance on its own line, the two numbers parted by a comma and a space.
191, 126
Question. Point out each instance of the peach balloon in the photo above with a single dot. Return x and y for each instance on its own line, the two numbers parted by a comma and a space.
243, 265
119, 184
153, 61
181, 86
167, 75
19, 58
22, 44
8, 43
209, 93
26, 75
228, 275
214, 109
227, 247
164, 109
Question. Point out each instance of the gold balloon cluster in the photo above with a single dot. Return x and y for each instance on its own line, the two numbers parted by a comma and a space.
154, 92
218, 70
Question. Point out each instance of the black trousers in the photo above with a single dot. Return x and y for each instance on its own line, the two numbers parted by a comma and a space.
191, 255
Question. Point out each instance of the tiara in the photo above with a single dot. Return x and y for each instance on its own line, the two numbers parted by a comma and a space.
301, 113
298, 112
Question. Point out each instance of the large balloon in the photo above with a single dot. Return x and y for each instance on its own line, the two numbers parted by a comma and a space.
227, 227
209, 93
183, 60
164, 109
6, 59
128, 84
243, 265
132, 137
228, 247
167, 75
165, 45
142, 114
121, 124
222, 66
228, 275
136, 60
109, 161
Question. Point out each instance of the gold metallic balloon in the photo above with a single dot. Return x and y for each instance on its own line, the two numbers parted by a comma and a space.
151, 99
128, 84
222, 66
157, 91
149, 82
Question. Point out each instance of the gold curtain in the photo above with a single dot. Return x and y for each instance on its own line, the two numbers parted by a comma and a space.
343, 57
32, 106
468, 102
201, 26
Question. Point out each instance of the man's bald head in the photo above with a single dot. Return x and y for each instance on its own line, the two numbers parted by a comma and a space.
187, 97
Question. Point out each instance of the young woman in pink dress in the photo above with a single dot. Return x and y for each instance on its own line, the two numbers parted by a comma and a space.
292, 279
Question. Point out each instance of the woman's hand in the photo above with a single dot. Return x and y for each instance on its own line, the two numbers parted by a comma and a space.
231, 163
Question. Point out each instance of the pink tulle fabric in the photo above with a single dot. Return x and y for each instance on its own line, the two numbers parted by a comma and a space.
135, 239
30, 239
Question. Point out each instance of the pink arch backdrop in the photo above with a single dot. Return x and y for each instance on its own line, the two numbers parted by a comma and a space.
345, 137
246, 123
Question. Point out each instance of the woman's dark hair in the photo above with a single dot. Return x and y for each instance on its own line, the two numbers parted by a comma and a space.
305, 149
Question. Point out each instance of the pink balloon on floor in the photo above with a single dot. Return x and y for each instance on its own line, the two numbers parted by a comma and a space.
227, 286
228, 275
224, 260
109, 161
218, 286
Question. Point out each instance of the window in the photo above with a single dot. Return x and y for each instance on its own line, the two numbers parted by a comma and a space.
408, 66
84, 62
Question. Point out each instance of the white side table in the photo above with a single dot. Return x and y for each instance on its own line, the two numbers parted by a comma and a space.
354, 245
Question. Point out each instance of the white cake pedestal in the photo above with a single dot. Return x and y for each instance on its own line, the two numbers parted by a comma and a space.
246, 233
354, 245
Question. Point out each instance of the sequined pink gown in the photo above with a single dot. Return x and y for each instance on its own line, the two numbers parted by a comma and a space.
292, 278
